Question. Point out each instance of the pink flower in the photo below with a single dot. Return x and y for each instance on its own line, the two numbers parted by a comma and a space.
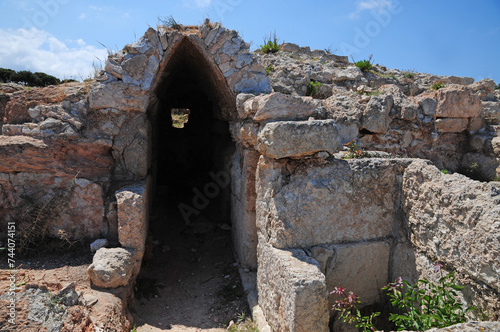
438, 266
338, 290
351, 297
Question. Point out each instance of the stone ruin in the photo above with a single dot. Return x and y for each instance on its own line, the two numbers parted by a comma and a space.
304, 217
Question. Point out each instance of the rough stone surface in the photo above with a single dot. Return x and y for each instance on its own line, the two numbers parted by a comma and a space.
362, 268
472, 326
292, 290
111, 268
457, 102
118, 95
451, 125
376, 115
438, 205
243, 197
278, 106
305, 204
298, 138
132, 202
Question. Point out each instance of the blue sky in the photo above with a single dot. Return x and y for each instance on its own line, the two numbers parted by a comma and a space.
445, 37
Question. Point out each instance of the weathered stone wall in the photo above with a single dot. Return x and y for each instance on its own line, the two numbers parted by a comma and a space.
457, 221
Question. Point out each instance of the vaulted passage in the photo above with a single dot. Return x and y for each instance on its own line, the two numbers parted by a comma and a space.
189, 243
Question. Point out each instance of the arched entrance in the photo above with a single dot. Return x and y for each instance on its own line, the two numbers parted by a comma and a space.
189, 250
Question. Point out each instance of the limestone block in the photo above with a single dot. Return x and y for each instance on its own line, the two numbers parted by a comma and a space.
457, 102
298, 138
404, 263
252, 81
131, 148
292, 290
302, 204
362, 268
348, 74
454, 219
475, 124
111, 268
243, 199
118, 95
290, 47
376, 114
278, 106
132, 205
428, 104
451, 125
134, 67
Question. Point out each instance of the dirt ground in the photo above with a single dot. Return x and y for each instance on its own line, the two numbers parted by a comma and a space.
189, 282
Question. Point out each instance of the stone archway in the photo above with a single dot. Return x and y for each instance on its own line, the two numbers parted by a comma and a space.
201, 69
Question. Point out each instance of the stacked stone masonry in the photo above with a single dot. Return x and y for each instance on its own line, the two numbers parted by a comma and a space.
302, 216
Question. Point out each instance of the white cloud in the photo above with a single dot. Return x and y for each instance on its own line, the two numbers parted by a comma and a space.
38, 50
376, 5
82, 16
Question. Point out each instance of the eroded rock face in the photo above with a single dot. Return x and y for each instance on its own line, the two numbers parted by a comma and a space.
112, 268
438, 205
357, 200
457, 102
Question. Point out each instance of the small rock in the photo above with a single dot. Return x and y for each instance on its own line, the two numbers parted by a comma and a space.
88, 300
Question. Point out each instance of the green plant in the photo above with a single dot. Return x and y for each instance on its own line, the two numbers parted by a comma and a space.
312, 88
425, 304
437, 85
243, 324
445, 171
364, 65
269, 69
349, 311
134, 329
497, 87
270, 44
354, 151
496, 178
409, 74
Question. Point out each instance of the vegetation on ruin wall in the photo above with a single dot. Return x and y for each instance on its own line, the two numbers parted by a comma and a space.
417, 307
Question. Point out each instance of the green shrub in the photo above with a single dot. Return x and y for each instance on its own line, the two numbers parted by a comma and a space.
269, 69
445, 171
312, 88
420, 307
364, 65
497, 87
437, 85
426, 305
270, 44
409, 74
